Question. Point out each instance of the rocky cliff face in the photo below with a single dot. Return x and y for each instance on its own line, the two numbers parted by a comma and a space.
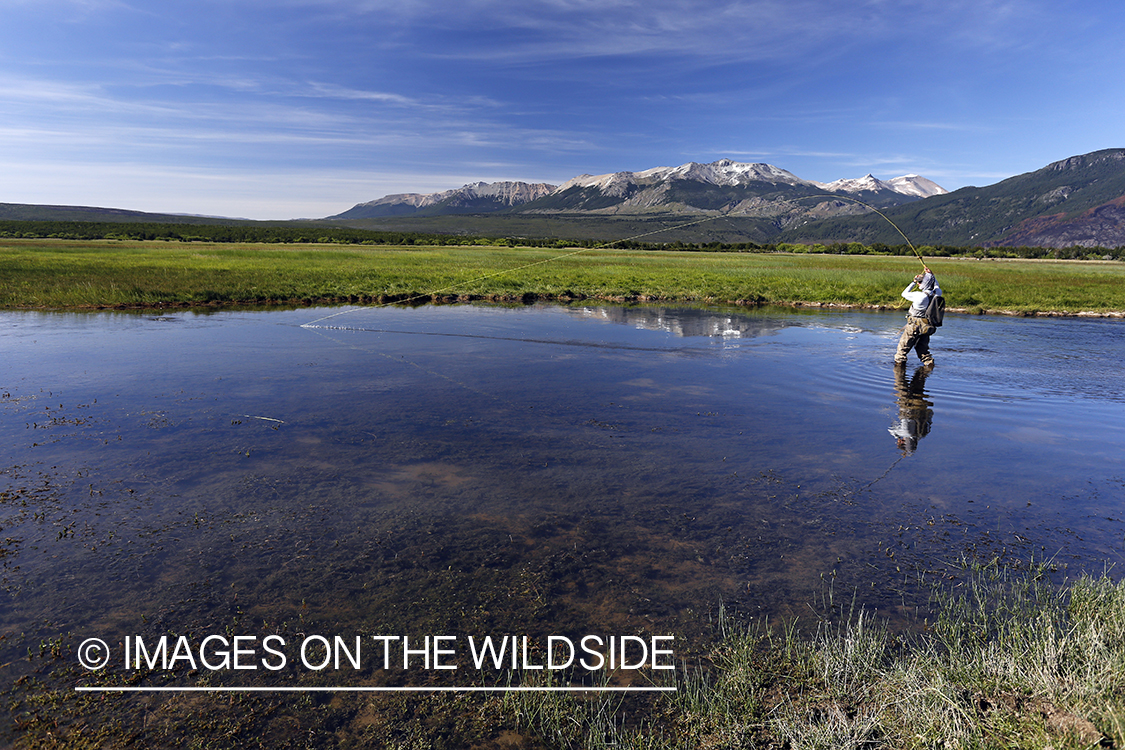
1101, 226
481, 197
1114, 158
506, 193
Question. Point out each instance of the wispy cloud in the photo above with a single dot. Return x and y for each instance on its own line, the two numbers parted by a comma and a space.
334, 91
418, 90
951, 126
91, 6
310, 122
730, 29
775, 153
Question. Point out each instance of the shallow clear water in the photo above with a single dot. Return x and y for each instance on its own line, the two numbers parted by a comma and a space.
546, 469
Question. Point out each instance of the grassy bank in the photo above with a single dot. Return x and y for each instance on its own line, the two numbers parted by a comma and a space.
1008, 663
82, 274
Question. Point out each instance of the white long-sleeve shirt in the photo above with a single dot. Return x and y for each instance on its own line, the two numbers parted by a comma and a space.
920, 299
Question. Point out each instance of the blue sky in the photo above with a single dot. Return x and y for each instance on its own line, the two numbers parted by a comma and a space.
302, 108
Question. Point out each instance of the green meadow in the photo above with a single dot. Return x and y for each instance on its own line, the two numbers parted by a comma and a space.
53, 273
1008, 661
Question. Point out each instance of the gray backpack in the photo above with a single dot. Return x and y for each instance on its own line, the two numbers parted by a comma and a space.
935, 311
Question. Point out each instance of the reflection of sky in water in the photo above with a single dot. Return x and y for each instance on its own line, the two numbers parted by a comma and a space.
637, 463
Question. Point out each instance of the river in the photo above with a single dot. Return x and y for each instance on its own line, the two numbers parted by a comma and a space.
550, 469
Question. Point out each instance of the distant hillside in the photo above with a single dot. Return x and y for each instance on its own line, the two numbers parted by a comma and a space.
1079, 201
476, 198
32, 212
1101, 226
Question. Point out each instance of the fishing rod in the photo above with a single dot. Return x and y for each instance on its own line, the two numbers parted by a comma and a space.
885, 217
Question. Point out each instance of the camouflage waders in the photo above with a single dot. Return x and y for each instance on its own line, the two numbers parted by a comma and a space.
916, 336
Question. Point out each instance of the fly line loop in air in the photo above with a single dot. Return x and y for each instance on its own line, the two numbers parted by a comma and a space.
885, 218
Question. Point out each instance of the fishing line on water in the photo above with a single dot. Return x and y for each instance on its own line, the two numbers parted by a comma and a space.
320, 330
518, 339
403, 360
867, 486
313, 325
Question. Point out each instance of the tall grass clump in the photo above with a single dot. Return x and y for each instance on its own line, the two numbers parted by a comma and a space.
1014, 655
1007, 660
576, 721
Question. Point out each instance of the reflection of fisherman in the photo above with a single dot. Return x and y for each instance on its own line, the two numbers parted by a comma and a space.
916, 333
914, 413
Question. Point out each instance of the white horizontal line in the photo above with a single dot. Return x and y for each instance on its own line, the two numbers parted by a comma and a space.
83, 688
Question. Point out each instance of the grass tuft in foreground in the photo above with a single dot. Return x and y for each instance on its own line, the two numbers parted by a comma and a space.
1009, 662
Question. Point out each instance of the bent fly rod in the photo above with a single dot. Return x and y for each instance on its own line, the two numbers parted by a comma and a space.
885, 217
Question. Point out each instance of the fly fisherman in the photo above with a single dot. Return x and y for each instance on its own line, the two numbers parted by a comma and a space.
916, 334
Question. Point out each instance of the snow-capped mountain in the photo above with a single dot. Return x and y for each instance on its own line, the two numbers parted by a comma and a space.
725, 185
727, 173
867, 184
731, 187
723, 172
910, 184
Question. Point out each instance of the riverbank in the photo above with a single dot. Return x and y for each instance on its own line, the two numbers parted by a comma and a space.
1006, 661
75, 274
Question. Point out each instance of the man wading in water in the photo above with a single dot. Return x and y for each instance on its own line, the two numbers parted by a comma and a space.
916, 334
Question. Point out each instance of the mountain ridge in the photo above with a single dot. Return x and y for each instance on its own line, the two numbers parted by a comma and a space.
736, 186
477, 197
1076, 201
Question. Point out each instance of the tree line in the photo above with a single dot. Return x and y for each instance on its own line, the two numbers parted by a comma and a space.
315, 234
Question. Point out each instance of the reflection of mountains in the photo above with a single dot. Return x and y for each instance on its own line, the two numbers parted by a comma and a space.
684, 322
